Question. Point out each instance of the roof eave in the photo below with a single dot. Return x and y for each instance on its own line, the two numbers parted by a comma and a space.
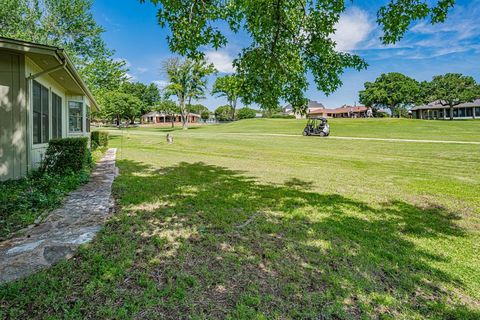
25, 46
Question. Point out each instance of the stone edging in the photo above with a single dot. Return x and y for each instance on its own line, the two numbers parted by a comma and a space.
76, 222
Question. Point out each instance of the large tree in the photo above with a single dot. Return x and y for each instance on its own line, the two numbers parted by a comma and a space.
68, 24
118, 105
228, 86
288, 39
197, 108
392, 90
148, 94
187, 81
451, 90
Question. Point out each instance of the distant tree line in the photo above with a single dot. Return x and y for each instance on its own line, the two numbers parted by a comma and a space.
396, 92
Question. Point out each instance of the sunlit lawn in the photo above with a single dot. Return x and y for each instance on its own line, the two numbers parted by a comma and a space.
219, 225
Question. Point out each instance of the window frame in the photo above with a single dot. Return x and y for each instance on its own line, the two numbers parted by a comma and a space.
82, 117
43, 89
88, 118
61, 127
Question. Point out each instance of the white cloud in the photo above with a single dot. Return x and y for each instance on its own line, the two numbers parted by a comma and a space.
353, 27
161, 83
131, 77
221, 60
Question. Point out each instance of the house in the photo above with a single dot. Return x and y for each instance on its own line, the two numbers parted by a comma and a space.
344, 111
435, 110
312, 105
42, 97
155, 117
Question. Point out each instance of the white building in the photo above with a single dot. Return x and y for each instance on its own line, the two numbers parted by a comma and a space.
436, 110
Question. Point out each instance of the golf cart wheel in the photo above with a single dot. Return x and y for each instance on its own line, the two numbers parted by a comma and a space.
306, 133
322, 134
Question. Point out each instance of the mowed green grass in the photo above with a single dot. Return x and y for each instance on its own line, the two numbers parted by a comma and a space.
463, 130
220, 225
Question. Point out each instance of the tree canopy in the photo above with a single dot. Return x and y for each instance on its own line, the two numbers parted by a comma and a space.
205, 115
391, 90
148, 94
223, 113
228, 86
68, 24
289, 38
451, 89
187, 81
197, 108
119, 105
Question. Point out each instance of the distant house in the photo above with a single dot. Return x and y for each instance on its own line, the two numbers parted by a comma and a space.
435, 110
316, 109
343, 112
42, 97
155, 117
311, 106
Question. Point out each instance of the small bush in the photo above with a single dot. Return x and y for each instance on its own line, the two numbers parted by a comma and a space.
99, 139
68, 155
246, 113
224, 113
282, 116
381, 115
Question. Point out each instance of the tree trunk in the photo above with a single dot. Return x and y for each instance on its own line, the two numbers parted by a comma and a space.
234, 106
451, 112
183, 112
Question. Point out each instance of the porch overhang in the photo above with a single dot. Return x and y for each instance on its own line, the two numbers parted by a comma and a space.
57, 64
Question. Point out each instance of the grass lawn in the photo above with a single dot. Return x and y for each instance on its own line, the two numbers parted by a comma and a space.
251, 226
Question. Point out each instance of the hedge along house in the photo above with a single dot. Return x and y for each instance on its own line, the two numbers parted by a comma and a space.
42, 97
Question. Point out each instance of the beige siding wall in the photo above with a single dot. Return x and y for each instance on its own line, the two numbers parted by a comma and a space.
13, 116
37, 151
18, 154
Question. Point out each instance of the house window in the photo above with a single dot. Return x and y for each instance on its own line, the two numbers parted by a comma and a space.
40, 113
469, 112
477, 111
56, 116
75, 116
461, 112
88, 118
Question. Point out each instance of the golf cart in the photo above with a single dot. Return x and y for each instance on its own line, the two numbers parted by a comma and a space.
317, 126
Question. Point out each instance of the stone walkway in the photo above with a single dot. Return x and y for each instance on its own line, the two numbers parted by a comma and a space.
76, 222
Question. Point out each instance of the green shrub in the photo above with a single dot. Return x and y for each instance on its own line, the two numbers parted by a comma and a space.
246, 113
68, 155
99, 139
381, 115
282, 116
23, 201
224, 113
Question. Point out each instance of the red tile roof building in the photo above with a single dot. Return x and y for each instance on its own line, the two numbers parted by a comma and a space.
342, 112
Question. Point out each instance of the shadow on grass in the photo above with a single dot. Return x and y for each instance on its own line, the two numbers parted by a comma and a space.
201, 241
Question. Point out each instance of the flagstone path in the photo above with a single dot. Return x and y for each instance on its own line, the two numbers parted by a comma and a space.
78, 220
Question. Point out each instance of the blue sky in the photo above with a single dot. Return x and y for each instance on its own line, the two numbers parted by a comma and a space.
426, 50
